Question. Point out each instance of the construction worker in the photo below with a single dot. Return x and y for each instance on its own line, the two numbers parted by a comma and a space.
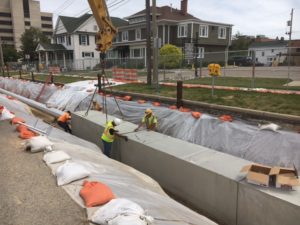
62, 121
109, 134
149, 120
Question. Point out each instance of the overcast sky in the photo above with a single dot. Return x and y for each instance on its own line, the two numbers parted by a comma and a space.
249, 17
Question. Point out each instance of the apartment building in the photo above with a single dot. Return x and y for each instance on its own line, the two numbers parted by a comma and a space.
18, 15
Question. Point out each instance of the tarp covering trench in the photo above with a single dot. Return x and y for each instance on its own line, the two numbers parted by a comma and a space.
124, 181
237, 138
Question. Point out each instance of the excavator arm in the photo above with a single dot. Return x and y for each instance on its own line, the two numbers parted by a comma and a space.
107, 31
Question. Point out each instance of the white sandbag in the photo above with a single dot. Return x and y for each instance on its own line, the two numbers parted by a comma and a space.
38, 144
120, 207
69, 172
55, 157
6, 114
270, 126
131, 220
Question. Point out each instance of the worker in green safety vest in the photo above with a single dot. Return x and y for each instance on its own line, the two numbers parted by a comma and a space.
149, 120
109, 134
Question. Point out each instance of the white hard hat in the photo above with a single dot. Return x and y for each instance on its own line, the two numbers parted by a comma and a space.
117, 121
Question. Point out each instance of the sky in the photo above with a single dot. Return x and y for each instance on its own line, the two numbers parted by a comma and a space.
249, 17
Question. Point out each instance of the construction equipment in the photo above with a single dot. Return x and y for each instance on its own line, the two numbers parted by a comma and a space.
107, 31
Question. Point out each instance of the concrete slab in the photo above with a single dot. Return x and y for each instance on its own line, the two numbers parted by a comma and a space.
208, 180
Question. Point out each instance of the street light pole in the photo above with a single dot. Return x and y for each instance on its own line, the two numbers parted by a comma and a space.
290, 23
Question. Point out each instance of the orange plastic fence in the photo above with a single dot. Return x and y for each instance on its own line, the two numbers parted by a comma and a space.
16, 120
124, 74
95, 193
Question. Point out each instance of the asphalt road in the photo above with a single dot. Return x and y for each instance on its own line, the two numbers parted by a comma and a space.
28, 191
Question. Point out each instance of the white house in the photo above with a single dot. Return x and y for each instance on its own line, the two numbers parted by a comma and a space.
74, 43
270, 52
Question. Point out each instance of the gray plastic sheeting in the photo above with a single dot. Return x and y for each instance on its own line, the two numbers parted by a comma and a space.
124, 181
280, 148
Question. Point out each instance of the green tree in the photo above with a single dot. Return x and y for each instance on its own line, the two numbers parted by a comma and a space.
30, 40
10, 54
170, 56
241, 42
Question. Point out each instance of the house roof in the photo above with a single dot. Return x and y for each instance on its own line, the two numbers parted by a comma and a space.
72, 23
51, 47
276, 43
166, 12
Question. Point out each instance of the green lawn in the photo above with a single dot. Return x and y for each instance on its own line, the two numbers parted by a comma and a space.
287, 104
270, 83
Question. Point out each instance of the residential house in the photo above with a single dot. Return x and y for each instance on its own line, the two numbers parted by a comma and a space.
177, 27
269, 52
74, 43
295, 52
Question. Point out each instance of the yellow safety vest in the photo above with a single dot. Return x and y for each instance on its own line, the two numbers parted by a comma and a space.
149, 121
106, 136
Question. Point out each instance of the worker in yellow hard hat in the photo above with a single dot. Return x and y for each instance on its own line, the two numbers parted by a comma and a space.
109, 134
149, 120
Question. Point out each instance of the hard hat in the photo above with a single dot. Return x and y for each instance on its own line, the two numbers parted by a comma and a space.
117, 121
148, 111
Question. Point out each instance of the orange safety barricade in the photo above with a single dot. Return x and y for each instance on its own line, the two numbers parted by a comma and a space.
155, 103
95, 193
227, 118
130, 74
118, 74
196, 115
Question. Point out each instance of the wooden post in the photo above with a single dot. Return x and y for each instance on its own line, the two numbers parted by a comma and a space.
253, 68
7, 69
179, 93
20, 74
51, 78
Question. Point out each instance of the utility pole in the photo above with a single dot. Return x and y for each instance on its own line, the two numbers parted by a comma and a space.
1, 55
155, 45
290, 24
148, 51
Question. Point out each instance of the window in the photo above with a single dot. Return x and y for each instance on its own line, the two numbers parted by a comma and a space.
26, 8
5, 14
272, 50
46, 18
46, 25
137, 52
182, 30
137, 20
262, 53
87, 54
200, 53
203, 31
69, 42
60, 39
6, 30
222, 33
95, 27
27, 23
297, 49
5, 22
138, 34
125, 36
84, 39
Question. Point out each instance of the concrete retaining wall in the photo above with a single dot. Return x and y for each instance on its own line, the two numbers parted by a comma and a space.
206, 179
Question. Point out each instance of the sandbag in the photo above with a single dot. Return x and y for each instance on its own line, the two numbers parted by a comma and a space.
95, 193
16, 120
69, 172
141, 101
226, 118
196, 115
37, 144
55, 157
27, 134
155, 103
6, 114
270, 126
121, 208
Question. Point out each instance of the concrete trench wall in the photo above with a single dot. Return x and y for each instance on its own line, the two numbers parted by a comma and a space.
208, 180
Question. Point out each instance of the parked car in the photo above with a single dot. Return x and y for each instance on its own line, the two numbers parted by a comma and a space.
241, 61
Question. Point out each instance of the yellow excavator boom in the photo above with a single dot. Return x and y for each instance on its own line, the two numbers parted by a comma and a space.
107, 31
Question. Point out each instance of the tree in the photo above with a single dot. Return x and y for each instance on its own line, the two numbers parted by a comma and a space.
241, 42
10, 54
30, 40
170, 56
